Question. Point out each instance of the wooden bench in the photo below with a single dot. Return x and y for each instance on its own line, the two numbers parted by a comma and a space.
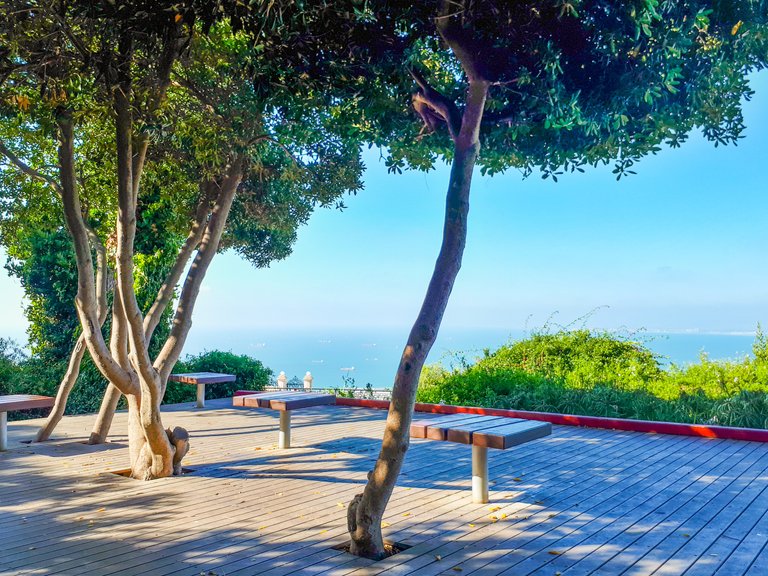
200, 379
284, 402
482, 432
15, 402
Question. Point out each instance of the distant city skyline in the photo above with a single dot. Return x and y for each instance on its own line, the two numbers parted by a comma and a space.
681, 246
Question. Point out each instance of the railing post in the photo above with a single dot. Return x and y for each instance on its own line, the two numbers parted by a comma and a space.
282, 381
308, 381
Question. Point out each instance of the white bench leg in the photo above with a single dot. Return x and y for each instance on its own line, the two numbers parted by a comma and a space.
284, 437
3, 431
479, 474
201, 395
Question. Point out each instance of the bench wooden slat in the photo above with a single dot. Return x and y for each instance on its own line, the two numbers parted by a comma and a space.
202, 378
463, 426
464, 433
13, 402
419, 428
302, 400
512, 435
443, 431
283, 400
253, 400
260, 400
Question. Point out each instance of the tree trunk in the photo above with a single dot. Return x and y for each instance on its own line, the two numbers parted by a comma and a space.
106, 414
76, 357
154, 452
67, 383
366, 510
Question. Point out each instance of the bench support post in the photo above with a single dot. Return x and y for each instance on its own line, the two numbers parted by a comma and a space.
479, 474
3, 431
201, 395
284, 436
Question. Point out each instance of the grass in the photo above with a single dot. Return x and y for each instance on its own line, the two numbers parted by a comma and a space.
600, 374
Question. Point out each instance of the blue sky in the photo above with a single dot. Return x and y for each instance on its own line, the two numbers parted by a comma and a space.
680, 246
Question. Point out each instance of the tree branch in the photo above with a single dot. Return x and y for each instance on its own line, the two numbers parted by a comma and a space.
432, 105
126, 221
79, 45
459, 40
209, 245
86, 295
165, 294
28, 170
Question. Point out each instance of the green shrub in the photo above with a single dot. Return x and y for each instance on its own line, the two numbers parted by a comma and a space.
597, 374
20, 374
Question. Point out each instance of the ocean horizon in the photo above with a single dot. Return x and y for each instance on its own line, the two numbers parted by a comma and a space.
334, 356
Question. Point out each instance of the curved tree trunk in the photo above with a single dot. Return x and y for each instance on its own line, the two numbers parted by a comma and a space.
366, 510
78, 351
106, 414
67, 383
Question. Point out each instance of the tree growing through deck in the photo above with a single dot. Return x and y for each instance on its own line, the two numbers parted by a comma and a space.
174, 82
546, 87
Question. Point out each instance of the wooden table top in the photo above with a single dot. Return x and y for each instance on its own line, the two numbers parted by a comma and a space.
284, 400
202, 378
489, 431
24, 402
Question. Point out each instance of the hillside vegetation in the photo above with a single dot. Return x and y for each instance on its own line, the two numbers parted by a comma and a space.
599, 374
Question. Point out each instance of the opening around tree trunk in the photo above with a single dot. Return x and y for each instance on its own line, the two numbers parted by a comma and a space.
155, 452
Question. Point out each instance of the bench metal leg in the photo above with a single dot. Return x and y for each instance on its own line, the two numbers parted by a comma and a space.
479, 474
3, 431
201, 395
284, 437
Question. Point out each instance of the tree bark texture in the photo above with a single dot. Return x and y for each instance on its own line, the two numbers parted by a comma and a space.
106, 413
62, 395
78, 351
366, 510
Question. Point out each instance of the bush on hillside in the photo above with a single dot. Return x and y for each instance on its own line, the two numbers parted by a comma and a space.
597, 374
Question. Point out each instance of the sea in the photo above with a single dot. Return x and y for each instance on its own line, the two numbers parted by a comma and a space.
344, 357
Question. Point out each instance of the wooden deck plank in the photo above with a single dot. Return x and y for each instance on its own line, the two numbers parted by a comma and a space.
621, 544
722, 548
575, 483
472, 546
674, 555
394, 510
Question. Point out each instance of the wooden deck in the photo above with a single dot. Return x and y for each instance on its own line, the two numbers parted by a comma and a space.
581, 501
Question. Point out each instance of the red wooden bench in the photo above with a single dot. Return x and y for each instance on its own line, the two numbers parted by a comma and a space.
284, 402
482, 432
13, 402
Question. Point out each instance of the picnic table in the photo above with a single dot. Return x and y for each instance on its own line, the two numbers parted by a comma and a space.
284, 403
200, 379
13, 402
482, 432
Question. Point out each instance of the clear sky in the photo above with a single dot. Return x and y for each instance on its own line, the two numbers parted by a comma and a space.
680, 246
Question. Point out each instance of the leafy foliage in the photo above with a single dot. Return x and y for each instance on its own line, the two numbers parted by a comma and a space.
597, 374
577, 84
